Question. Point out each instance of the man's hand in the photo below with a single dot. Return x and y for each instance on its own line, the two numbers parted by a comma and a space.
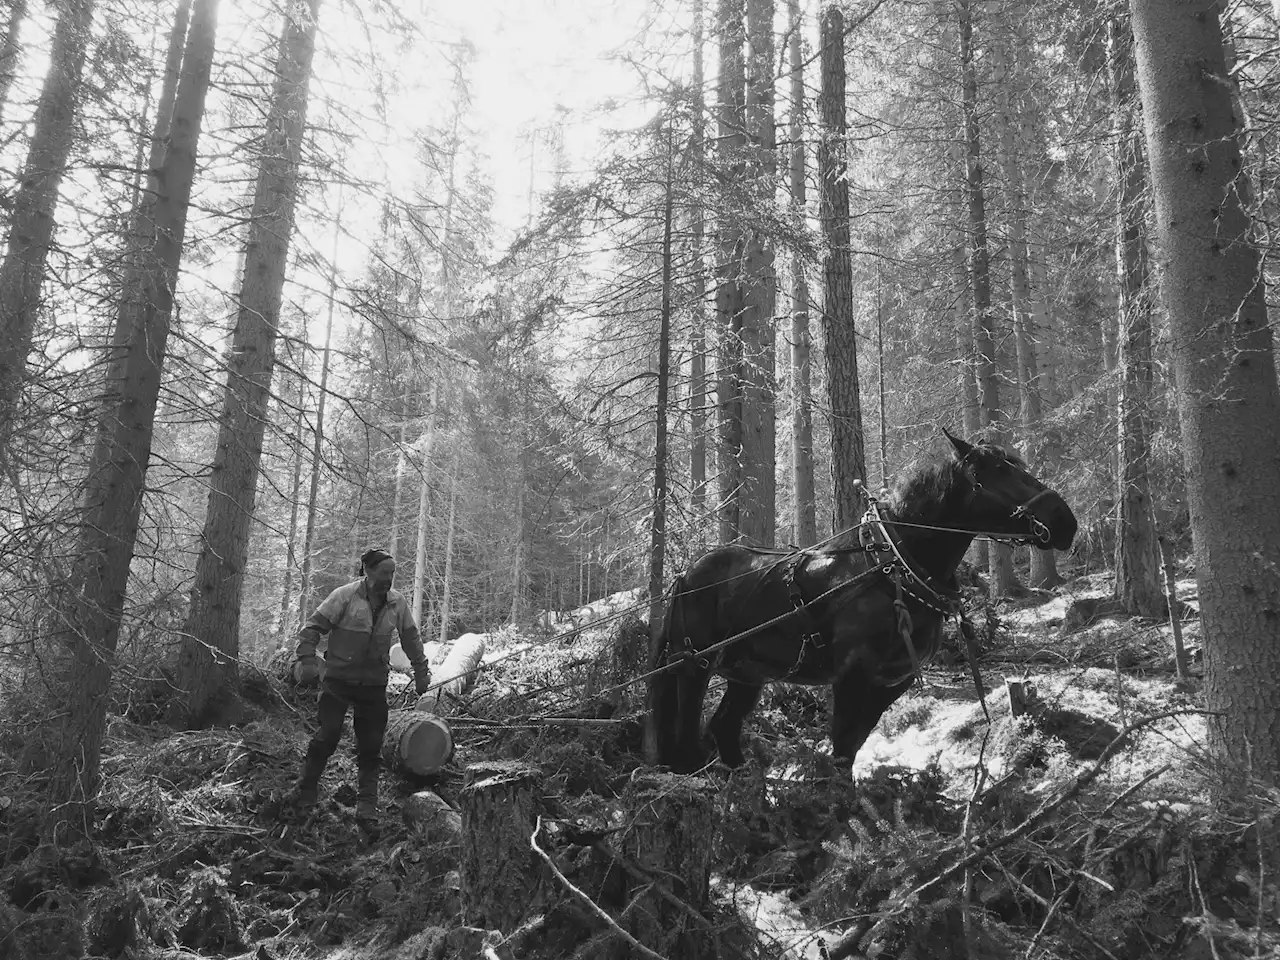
306, 671
421, 679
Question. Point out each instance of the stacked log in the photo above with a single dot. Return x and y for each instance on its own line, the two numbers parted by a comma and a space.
673, 826
456, 675
502, 878
416, 742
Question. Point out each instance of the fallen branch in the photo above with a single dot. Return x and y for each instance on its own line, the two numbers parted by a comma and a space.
591, 905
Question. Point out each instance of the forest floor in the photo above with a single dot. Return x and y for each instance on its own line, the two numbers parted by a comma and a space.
964, 833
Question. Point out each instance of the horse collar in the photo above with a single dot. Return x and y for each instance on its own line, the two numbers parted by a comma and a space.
875, 535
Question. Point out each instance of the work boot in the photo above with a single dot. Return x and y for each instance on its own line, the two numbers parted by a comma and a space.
367, 795
307, 790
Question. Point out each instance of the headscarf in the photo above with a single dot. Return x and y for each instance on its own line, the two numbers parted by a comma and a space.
371, 558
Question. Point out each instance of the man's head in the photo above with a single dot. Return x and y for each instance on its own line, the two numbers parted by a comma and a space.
379, 569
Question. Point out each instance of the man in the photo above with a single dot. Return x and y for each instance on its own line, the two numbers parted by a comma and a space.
359, 618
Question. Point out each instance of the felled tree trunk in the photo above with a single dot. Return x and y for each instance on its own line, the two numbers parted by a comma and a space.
502, 879
429, 813
671, 837
416, 742
455, 675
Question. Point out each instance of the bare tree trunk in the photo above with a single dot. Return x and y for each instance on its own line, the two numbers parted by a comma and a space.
291, 545
1226, 378
206, 667
758, 518
517, 553
698, 390
447, 586
10, 50
1000, 569
805, 519
730, 290
93, 604
35, 202
848, 458
658, 528
402, 465
307, 600
424, 507
1138, 570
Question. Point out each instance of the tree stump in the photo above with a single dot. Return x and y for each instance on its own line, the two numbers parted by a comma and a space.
502, 878
1022, 697
670, 839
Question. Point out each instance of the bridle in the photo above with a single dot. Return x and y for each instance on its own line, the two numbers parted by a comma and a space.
1020, 511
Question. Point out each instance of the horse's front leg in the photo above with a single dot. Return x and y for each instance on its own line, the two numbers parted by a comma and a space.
692, 684
726, 723
856, 709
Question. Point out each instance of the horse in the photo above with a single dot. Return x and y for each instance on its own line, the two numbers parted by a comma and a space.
859, 613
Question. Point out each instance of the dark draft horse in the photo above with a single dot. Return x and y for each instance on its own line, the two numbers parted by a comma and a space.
859, 613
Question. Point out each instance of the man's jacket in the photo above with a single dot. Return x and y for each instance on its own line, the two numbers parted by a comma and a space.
360, 649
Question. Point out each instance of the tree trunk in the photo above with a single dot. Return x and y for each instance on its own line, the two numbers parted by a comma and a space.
730, 291
448, 545
35, 201
1028, 308
658, 528
211, 644
848, 458
291, 545
805, 518
1226, 379
424, 508
93, 604
307, 601
10, 51
1000, 569
698, 292
758, 518
1137, 585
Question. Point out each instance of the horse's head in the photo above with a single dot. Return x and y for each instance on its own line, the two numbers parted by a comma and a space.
1006, 499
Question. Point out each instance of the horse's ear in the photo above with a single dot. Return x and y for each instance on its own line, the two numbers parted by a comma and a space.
962, 449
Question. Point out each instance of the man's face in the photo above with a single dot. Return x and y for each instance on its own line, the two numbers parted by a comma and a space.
379, 578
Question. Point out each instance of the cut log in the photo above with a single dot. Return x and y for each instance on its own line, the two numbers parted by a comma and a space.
400, 660
503, 881
416, 743
456, 675
429, 813
673, 829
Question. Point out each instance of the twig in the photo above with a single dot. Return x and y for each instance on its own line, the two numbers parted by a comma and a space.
1045, 903
1130, 791
590, 904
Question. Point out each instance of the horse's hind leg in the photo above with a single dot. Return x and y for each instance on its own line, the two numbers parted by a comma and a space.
726, 723
692, 684
856, 709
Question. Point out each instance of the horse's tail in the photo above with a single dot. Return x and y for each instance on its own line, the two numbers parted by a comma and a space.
664, 688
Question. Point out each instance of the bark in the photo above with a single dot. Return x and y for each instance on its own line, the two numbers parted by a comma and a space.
848, 458
1028, 308
424, 509
757, 522
1138, 573
35, 201
502, 880
10, 50
1226, 381
446, 586
295, 490
658, 528
698, 290
731, 245
984, 337
93, 604
207, 664
805, 518
308, 601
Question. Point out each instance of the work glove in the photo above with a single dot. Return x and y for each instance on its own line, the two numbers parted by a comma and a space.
306, 670
421, 679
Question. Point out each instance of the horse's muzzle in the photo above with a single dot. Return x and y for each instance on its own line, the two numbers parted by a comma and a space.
1052, 511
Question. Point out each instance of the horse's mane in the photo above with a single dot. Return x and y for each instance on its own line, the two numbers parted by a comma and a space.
924, 491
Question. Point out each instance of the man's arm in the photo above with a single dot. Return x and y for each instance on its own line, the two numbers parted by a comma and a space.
319, 623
